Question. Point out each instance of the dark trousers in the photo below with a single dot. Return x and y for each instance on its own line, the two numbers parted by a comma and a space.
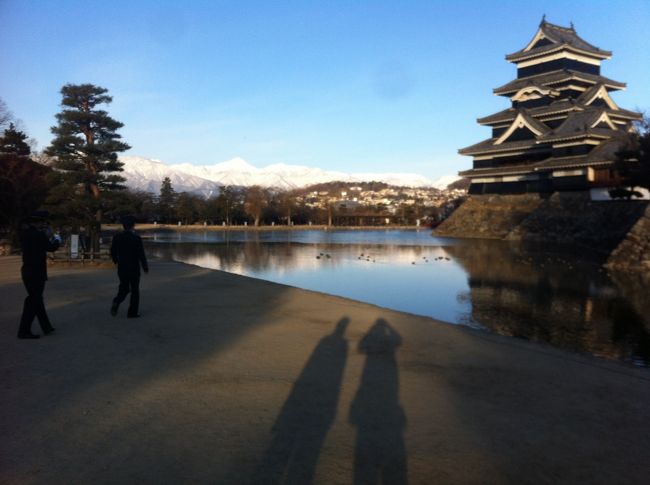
34, 306
129, 282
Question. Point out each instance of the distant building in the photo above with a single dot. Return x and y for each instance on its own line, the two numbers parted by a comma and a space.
563, 129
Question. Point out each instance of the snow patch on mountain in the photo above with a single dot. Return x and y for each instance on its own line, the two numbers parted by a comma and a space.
147, 174
444, 181
279, 175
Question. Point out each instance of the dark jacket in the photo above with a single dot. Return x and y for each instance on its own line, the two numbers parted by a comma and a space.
127, 252
35, 245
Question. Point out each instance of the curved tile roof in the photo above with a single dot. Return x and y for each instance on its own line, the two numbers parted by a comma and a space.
560, 38
556, 77
564, 106
559, 106
604, 154
488, 146
579, 125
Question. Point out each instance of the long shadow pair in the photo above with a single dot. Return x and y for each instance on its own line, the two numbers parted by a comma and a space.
302, 425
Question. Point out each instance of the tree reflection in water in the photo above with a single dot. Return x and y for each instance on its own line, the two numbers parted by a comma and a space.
554, 298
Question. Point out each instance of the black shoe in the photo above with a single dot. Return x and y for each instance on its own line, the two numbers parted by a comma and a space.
137, 315
114, 308
49, 331
28, 335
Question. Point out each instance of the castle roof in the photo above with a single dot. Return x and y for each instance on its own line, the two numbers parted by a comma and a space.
509, 114
581, 124
490, 146
550, 38
547, 165
584, 122
602, 155
561, 107
557, 77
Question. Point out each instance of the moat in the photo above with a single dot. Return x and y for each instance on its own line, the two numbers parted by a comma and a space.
546, 295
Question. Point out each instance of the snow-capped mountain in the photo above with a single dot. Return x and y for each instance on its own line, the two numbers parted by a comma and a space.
146, 174
444, 181
239, 172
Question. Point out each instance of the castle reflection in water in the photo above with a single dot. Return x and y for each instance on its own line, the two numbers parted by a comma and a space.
540, 294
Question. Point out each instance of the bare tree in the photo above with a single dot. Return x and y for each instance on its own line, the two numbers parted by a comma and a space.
6, 116
255, 202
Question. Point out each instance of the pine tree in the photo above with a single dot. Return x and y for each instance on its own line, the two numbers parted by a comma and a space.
633, 161
23, 186
85, 148
166, 200
14, 141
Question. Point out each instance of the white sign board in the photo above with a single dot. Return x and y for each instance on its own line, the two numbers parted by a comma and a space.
74, 245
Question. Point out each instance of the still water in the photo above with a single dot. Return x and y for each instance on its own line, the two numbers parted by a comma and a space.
540, 294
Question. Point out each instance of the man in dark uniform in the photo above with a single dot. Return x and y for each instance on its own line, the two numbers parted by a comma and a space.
127, 252
35, 240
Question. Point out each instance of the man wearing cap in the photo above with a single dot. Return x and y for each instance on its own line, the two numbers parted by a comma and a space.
127, 252
36, 240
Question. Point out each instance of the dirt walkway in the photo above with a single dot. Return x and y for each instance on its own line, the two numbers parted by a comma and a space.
228, 379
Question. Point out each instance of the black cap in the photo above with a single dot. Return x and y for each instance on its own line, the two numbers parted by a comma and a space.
38, 216
127, 220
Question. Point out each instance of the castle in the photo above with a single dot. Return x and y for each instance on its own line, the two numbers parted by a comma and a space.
563, 130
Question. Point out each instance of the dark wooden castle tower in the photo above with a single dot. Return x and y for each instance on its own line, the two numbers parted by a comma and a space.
563, 129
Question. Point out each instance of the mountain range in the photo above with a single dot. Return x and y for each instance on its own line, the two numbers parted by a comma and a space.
147, 174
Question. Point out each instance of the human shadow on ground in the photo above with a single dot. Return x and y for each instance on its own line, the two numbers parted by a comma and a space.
380, 453
302, 424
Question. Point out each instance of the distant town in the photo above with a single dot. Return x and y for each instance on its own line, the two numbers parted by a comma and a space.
405, 205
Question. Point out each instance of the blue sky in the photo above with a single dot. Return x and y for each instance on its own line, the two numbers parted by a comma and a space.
354, 86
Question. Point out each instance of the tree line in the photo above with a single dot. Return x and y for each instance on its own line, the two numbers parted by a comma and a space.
231, 206
253, 206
